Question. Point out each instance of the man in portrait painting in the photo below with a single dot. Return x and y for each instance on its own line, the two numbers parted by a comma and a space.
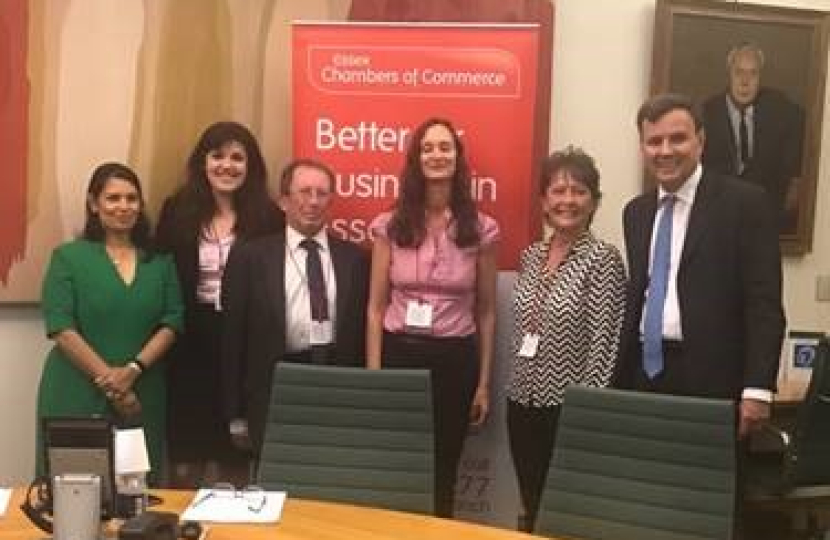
756, 133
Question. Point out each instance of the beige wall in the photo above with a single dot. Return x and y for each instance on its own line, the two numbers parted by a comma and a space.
602, 58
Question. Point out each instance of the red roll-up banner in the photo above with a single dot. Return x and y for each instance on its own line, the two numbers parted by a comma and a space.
359, 89
14, 94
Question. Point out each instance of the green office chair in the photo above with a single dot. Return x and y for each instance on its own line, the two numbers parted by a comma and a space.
640, 466
793, 474
350, 435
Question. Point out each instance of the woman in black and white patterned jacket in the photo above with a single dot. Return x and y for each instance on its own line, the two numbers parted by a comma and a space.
568, 306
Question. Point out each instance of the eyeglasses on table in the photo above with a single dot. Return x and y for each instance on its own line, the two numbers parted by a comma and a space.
253, 496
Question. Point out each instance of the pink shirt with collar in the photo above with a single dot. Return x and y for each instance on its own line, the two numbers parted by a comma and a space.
437, 272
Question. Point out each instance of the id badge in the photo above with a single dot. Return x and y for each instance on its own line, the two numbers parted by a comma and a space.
321, 333
530, 345
418, 316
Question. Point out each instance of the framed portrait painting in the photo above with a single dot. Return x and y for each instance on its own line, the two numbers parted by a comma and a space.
758, 74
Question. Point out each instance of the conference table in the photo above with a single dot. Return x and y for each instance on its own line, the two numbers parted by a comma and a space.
302, 520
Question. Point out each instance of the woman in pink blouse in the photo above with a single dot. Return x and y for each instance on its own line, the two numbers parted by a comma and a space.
433, 288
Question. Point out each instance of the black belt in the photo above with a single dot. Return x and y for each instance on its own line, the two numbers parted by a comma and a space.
316, 354
672, 345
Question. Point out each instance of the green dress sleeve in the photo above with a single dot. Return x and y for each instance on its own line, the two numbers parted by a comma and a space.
173, 316
58, 295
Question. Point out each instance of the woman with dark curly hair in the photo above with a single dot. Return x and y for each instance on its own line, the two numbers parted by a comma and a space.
113, 308
223, 201
432, 291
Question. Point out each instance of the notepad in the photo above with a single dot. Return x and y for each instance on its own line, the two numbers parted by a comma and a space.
5, 495
205, 506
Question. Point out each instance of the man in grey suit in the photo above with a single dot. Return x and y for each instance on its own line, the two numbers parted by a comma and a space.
704, 314
298, 295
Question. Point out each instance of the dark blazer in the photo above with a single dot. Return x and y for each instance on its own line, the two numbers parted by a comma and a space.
728, 287
253, 298
184, 246
778, 134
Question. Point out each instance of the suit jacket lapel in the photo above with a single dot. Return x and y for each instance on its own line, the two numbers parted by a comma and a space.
730, 138
700, 215
646, 224
341, 269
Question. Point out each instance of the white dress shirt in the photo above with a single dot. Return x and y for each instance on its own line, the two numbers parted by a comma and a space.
684, 199
297, 302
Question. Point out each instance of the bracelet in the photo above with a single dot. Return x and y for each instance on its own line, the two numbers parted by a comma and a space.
138, 365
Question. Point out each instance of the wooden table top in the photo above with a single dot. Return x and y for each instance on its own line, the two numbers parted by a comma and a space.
303, 520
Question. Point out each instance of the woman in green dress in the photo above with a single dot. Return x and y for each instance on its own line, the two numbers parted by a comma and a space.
113, 308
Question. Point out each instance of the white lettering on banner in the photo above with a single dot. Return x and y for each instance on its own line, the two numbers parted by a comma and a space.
483, 188
366, 185
378, 185
331, 74
345, 59
463, 78
365, 136
356, 230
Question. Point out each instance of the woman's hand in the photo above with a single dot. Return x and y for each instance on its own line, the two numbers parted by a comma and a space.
127, 404
480, 406
116, 381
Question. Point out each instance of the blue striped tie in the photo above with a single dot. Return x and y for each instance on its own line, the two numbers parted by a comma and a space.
656, 298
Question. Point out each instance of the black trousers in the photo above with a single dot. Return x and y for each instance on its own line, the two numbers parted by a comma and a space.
532, 432
453, 366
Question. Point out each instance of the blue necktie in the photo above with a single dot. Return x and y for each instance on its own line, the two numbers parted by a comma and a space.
656, 298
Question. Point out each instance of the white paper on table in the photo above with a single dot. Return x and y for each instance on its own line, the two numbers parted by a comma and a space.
5, 495
233, 509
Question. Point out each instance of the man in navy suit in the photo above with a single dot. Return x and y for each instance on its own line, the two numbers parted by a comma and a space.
272, 311
756, 133
721, 323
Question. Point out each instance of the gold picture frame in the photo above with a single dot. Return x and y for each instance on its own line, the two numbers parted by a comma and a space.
692, 41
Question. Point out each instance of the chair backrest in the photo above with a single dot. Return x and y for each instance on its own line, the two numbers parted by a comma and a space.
641, 466
350, 435
807, 461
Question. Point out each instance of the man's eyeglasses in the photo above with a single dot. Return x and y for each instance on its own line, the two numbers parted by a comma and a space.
253, 496
308, 193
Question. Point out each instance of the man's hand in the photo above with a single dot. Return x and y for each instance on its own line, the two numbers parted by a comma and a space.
754, 414
239, 434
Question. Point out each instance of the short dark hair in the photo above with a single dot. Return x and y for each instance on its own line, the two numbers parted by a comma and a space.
287, 174
93, 228
657, 106
579, 165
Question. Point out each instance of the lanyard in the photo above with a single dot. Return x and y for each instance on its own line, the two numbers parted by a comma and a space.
303, 275
543, 279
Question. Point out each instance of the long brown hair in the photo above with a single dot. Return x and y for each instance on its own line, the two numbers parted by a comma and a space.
407, 228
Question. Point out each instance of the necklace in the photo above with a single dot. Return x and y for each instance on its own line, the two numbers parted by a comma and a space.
119, 257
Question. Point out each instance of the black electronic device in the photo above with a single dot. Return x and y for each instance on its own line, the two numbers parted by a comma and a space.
82, 445
150, 526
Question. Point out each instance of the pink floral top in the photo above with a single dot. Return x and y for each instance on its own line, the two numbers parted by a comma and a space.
438, 273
